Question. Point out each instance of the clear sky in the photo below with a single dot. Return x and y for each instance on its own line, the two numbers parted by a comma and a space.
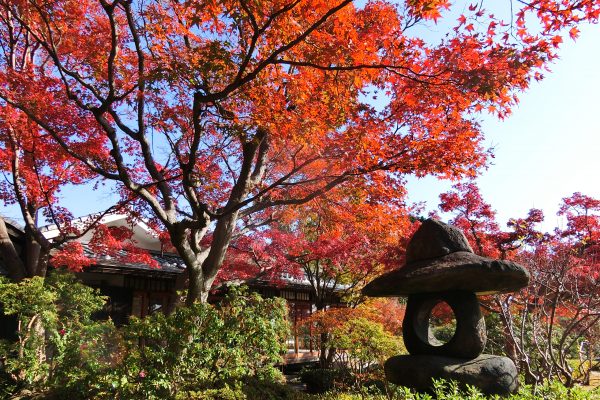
549, 147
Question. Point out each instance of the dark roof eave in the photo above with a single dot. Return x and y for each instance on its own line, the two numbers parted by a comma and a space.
127, 270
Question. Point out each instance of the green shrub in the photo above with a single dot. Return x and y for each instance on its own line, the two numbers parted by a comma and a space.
202, 351
365, 343
247, 390
56, 334
363, 347
449, 391
321, 380
267, 390
201, 348
225, 393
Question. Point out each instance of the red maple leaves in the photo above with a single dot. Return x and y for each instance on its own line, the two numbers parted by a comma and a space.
210, 116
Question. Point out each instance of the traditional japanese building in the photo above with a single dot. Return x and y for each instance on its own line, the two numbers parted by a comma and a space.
132, 288
8, 324
139, 289
17, 235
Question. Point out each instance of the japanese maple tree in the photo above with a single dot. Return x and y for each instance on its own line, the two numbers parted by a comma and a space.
543, 324
215, 115
473, 216
560, 309
477, 219
335, 247
34, 170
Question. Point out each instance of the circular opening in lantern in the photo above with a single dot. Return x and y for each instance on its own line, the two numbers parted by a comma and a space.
442, 324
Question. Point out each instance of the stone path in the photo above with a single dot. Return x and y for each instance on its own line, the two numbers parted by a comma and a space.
293, 381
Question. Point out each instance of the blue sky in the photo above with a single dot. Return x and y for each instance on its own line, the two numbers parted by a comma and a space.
549, 147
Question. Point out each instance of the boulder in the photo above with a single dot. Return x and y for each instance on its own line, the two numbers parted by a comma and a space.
490, 374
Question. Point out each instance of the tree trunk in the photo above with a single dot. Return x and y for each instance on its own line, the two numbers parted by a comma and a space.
42, 263
510, 347
203, 273
324, 353
199, 286
195, 285
32, 257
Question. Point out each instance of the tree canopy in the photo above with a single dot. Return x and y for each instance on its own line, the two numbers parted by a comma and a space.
213, 116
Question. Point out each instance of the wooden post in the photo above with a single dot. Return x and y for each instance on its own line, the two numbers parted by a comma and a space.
296, 330
310, 328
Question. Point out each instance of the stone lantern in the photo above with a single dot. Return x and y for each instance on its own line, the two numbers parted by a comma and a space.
441, 267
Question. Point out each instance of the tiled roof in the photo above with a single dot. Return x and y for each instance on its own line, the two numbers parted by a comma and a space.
12, 223
169, 263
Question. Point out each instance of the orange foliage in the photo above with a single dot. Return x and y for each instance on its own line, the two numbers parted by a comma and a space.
388, 312
215, 115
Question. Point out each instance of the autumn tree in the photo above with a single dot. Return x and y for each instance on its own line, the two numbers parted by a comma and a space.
211, 116
555, 314
335, 246
556, 317
386, 313
477, 219
545, 323
473, 216
34, 170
